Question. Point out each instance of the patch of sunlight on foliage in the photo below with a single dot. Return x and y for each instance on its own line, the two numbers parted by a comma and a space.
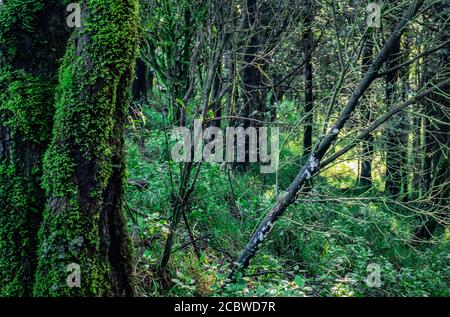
342, 290
342, 175
394, 224
293, 145
446, 236
269, 193
378, 171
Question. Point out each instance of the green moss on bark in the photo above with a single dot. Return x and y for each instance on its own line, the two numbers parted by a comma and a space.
27, 82
84, 167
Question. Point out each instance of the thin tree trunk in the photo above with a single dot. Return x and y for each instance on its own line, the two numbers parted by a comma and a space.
365, 176
309, 96
142, 82
395, 132
250, 73
417, 155
217, 106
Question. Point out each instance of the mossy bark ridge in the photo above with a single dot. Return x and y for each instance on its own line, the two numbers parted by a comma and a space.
84, 167
32, 41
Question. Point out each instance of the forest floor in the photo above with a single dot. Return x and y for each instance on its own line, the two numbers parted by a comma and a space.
336, 240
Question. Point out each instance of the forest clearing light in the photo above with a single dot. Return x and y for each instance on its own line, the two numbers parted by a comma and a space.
241, 145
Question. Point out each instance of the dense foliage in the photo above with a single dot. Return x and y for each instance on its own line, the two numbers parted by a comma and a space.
358, 202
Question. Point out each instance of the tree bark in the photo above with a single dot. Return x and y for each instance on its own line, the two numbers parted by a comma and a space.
251, 75
309, 94
32, 40
396, 139
365, 176
84, 167
142, 82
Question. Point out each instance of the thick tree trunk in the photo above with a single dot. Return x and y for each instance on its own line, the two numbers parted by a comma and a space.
32, 40
84, 167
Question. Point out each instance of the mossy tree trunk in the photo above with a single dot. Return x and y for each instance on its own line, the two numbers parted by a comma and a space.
32, 41
84, 167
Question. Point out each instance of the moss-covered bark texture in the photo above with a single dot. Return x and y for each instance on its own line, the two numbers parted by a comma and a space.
84, 167
32, 41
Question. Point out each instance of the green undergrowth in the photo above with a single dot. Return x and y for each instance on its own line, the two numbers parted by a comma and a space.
327, 244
